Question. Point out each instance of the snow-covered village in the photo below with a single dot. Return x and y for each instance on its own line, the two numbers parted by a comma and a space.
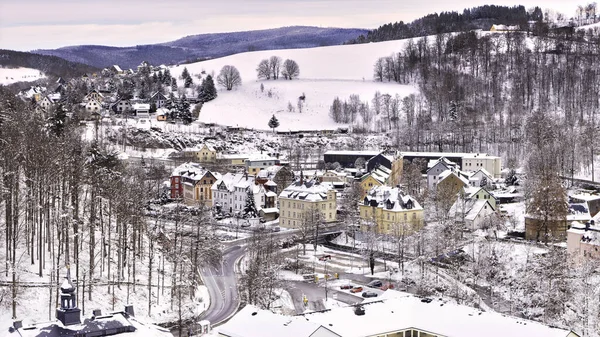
425, 171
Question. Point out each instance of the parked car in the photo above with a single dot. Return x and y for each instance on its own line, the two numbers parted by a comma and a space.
356, 289
367, 294
375, 284
426, 300
245, 224
346, 286
387, 286
325, 257
276, 229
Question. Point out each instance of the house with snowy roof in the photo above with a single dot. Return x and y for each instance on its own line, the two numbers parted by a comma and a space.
481, 178
394, 314
45, 103
379, 176
435, 169
304, 196
93, 95
121, 106
93, 105
115, 68
158, 99
256, 162
192, 183
583, 241
388, 210
231, 191
473, 207
275, 178
202, 154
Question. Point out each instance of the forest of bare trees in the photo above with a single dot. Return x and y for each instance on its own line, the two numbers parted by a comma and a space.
68, 201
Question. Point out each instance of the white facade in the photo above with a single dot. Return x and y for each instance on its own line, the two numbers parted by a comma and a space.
435, 171
255, 163
93, 105
230, 192
475, 162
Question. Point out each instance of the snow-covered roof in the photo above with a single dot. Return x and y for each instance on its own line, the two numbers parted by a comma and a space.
393, 197
578, 212
456, 173
380, 173
270, 183
310, 190
366, 154
254, 322
141, 106
436, 155
392, 312
402, 311
231, 180
192, 171
99, 326
505, 28
269, 172
260, 157
590, 235
117, 68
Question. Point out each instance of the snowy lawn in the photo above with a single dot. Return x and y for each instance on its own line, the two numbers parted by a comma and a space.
13, 75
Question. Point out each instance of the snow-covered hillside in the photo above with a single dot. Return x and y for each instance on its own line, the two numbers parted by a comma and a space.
325, 72
13, 75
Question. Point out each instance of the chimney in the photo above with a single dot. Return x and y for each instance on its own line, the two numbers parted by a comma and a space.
68, 313
129, 310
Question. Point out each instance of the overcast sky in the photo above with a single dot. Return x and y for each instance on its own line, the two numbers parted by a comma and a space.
35, 24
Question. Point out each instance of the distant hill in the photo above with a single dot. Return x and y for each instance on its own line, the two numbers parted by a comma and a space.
482, 17
50, 65
205, 46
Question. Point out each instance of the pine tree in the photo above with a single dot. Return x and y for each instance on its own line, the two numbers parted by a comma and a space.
273, 123
207, 91
250, 207
188, 82
173, 85
185, 74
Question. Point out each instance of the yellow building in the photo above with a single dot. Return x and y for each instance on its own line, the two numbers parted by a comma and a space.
300, 198
390, 211
379, 176
196, 184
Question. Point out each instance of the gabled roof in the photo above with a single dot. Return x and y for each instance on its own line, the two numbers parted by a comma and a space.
444, 175
384, 196
310, 190
442, 161
158, 95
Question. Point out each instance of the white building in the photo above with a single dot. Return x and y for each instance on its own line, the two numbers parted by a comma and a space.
230, 192
257, 162
475, 161
394, 314
583, 241
93, 106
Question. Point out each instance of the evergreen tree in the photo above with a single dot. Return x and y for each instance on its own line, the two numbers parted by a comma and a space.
185, 74
188, 82
207, 91
273, 123
57, 121
250, 207
173, 85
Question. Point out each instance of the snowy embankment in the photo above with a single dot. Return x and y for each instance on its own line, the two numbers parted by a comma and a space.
14, 75
325, 73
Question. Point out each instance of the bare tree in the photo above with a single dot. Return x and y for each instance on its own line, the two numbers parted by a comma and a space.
291, 69
275, 66
229, 77
264, 70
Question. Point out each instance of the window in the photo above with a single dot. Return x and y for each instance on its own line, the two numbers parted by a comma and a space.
414, 216
294, 214
330, 217
388, 216
405, 216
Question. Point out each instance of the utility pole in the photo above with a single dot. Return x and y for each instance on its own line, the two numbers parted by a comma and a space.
326, 278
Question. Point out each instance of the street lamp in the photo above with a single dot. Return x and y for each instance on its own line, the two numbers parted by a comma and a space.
326, 278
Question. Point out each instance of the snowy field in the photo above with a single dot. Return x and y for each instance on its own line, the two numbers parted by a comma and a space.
325, 73
13, 75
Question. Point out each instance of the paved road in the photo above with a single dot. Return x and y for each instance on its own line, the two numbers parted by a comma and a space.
222, 287
316, 295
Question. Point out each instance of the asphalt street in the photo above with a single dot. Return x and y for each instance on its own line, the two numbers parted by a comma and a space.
222, 287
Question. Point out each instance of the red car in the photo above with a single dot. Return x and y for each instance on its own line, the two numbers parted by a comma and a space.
346, 286
356, 289
325, 257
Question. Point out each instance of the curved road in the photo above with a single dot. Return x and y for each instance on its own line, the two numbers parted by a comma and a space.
222, 287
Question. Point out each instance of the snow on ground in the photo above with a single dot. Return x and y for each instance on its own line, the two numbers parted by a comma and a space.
14, 75
325, 73
516, 215
284, 304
